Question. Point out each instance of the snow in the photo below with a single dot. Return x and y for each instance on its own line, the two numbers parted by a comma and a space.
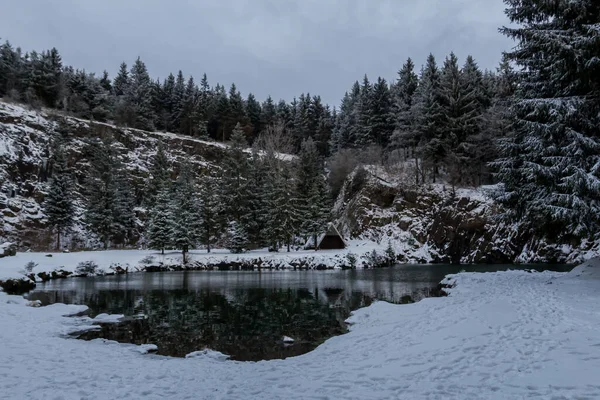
287, 339
108, 318
504, 335
136, 260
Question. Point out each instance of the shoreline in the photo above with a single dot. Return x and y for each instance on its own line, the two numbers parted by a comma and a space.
513, 334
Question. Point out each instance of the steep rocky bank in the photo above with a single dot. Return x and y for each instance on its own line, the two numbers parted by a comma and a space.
434, 223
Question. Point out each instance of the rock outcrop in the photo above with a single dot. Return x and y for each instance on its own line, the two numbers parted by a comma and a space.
434, 223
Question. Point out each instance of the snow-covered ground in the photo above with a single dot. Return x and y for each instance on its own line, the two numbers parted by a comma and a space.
134, 260
505, 335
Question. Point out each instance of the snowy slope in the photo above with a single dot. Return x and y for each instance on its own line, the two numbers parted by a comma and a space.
25, 137
505, 335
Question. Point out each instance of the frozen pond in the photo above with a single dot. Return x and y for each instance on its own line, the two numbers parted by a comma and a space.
244, 314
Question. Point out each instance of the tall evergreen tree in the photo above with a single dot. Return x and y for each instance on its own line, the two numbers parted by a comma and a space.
58, 205
312, 191
550, 166
235, 185
100, 192
160, 173
184, 211
429, 117
159, 229
139, 96
210, 228
381, 122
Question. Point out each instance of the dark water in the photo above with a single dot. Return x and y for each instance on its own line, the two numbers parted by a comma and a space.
243, 314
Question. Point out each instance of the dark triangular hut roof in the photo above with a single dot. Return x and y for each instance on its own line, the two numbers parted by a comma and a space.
331, 232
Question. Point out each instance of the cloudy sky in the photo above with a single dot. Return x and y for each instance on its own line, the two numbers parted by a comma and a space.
276, 47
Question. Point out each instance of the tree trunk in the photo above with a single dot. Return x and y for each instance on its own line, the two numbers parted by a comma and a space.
208, 247
162, 251
416, 168
183, 253
315, 242
58, 240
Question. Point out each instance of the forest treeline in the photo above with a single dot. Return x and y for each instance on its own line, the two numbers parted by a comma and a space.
532, 125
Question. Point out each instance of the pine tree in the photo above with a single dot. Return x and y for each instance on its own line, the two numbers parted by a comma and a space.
159, 230
121, 82
237, 237
254, 220
406, 133
312, 191
58, 205
124, 218
210, 227
550, 166
253, 110
100, 192
184, 211
139, 96
429, 117
381, 123
160, 173
177, 99
363, 133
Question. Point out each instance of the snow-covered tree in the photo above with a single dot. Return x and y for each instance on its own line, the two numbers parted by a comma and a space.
100, 192
184, 211
235, 183
429, 117
210, 221
312, 191
159, 229
138, 96
160, 173
237, 237
58, 204
551, 166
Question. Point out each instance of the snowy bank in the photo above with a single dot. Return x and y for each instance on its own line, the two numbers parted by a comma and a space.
505, 335
48, 266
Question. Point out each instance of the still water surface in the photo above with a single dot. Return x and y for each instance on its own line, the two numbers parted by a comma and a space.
244, 314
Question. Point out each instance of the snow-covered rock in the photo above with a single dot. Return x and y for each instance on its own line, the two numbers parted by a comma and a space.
287, 339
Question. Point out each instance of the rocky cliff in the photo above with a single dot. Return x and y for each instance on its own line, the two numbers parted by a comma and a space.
434, 223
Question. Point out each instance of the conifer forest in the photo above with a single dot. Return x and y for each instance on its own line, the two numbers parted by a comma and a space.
530, 127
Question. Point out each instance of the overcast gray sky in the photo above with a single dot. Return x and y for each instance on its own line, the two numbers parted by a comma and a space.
276, 47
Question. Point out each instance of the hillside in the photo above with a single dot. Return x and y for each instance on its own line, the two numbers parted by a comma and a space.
24, 150
423, 223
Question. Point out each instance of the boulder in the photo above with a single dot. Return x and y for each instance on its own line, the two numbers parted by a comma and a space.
8, 249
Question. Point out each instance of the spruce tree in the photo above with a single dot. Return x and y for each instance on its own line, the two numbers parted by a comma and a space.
159, 231
429, 117
160, 173
184, 211
406, 133
100, 192
124, 219
235, 187
312, 191
139, 96
210, 225
550, 166
381, 122
58, 204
